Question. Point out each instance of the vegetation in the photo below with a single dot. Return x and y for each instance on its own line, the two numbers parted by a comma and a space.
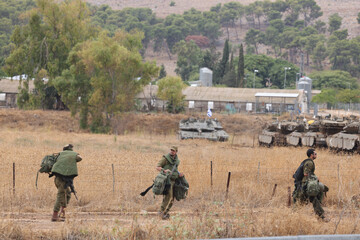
170, 89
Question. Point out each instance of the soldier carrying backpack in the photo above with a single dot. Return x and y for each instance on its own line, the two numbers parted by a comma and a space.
308, 186
65, 170
167, 167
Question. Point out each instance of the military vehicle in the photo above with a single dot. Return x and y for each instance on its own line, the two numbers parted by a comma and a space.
271, 135
346, 140
336, 134
210, 129
313, 137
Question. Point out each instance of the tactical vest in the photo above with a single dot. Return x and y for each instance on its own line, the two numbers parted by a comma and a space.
170, 164
66, 164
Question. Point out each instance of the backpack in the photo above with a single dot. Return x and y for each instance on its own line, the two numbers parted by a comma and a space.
299, 173
312, 187
46, 165
48, 162
159, 183
181, 188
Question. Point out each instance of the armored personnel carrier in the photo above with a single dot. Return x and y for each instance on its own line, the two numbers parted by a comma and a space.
210, 129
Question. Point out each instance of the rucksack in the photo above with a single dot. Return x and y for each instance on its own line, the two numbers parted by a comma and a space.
46, 165
181, 188
48, 162
299, 173
159, 183
312, 187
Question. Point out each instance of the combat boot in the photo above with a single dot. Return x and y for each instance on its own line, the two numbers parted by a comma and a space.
165, 216
324, 219
62, 213
55, 217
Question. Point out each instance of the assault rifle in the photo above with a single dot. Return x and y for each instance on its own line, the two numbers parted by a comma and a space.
69, 183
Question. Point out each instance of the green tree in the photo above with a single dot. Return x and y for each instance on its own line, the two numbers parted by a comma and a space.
333, 79
116, 72
170, 90
44, 44
162, 72
348, 96
223, 65
326, 96
189, 59
334, 22
358, 18
241, 68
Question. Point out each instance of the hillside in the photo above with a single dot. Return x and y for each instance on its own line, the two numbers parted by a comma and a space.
160, 123
345, 8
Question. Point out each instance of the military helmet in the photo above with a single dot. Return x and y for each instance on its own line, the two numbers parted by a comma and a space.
174, 148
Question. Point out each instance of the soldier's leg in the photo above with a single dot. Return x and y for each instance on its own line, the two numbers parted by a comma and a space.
317, 206
68, 195
167, 202
60, 197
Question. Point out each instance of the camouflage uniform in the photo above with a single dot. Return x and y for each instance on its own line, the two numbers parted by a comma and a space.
167, 162
300, 193
65, 167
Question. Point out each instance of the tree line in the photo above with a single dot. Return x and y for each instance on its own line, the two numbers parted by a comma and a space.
92, 56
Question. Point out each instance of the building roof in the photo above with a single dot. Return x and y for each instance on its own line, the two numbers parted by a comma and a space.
279, 95
12, 86
228, 94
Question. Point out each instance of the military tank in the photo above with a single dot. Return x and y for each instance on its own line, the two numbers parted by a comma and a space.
313, 137
272, 135
334, 133
346, 140
211, 129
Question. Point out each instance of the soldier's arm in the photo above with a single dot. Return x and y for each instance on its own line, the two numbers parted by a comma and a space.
308, 166
161, 164
78, 158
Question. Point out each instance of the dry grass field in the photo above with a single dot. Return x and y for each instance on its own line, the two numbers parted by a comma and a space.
115, 169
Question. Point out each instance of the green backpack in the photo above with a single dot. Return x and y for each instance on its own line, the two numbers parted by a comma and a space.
46, 165
181, 188
48, 162
159, 183
313, 187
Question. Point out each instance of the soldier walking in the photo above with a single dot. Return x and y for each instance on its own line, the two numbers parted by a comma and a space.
65, 170
167, 164
308, 186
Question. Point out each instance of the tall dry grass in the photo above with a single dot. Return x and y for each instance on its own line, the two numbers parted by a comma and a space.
115, 170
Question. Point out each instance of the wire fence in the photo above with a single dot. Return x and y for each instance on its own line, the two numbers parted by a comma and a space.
126, 179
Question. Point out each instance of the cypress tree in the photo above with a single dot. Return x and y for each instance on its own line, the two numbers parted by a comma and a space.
222, 67
241, 68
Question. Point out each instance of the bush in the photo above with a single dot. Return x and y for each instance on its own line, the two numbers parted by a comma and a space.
172, 4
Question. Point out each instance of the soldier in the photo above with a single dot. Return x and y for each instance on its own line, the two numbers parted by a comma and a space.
65, 169
308, 186
167, 163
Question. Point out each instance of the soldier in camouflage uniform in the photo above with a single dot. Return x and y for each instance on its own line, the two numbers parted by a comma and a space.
300, 191
65, 169
167, 163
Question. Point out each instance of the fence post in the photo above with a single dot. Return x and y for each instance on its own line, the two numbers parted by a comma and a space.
13, 178
113, 175
211, 174
274, 189
227, 185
